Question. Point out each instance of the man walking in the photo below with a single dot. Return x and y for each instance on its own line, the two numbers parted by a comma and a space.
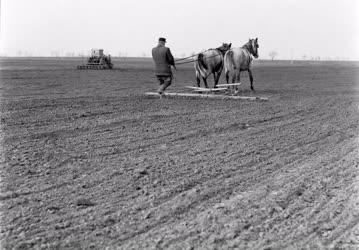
163, 59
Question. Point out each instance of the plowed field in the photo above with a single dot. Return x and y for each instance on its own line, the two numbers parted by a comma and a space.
88, 161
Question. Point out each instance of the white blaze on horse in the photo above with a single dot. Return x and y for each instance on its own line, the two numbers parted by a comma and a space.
210, 62
240, 59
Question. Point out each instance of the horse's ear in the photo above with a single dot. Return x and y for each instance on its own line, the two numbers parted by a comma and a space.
229, 46
256, 39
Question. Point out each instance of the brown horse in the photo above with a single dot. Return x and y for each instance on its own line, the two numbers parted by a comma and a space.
210, 62
240, 59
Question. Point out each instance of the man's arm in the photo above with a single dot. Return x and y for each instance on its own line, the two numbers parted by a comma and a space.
170, 58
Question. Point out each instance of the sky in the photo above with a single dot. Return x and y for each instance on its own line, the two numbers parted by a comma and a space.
328, 29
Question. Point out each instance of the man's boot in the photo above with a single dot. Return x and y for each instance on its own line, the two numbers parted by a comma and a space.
163, 87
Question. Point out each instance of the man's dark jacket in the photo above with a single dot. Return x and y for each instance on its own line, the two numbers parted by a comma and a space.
163, 60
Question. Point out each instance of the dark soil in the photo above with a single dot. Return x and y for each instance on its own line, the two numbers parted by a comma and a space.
88, 161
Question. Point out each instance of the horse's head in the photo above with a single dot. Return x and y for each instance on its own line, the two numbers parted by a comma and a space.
255, 46
252, 46
224, 47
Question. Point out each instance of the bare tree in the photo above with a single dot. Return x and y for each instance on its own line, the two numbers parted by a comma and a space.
273, 54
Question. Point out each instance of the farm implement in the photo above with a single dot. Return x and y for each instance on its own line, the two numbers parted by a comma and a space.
212, 93
97, 60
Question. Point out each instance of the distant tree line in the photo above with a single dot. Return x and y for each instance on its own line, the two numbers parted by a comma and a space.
273, 55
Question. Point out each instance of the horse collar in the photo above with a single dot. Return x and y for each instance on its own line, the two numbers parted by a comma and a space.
221, 51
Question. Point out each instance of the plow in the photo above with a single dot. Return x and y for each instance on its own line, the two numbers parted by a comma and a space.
223, 91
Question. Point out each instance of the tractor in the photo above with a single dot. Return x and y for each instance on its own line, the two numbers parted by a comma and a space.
97, 60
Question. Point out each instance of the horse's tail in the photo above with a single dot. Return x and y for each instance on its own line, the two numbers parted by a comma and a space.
201, 62
229, 61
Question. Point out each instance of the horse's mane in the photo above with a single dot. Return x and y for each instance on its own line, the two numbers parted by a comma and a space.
222, 49
248, 46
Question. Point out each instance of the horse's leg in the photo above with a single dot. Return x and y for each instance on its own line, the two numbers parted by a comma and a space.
251, 78
227, 76
238, 79
216, 80
198, 79
216, 76
205, 81
234, 77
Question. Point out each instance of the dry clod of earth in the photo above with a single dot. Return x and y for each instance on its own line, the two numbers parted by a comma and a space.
84, 203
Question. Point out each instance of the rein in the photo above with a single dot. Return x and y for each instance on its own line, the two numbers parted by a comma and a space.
184, 58
194, 60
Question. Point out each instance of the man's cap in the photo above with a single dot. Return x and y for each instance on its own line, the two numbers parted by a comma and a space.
162, 39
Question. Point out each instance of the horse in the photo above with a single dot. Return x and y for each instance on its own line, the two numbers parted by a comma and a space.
210, 62
240, 59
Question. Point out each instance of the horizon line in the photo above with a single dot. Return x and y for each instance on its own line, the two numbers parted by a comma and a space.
147, 57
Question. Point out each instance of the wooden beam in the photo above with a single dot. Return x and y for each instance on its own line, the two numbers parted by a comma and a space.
205, 89
211, 96
197, 88
229, 84
210, 90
